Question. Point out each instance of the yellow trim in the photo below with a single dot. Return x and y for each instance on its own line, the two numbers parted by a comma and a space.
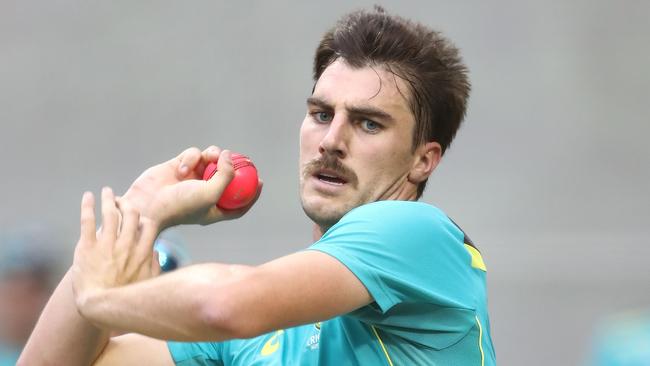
271, 345
480, 340
390, 362
477, 260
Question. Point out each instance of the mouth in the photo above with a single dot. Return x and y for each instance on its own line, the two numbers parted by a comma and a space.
330, 177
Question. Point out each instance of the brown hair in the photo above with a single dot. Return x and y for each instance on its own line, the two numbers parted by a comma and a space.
427, 61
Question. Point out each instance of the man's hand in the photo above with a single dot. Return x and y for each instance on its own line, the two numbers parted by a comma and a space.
119, 254
174, 192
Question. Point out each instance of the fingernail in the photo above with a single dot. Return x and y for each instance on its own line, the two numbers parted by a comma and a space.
183, 169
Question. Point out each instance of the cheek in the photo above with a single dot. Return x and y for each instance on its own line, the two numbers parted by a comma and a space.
309, 139
305, 144
391, 167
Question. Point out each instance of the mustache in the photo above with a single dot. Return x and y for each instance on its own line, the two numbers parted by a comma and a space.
331, 163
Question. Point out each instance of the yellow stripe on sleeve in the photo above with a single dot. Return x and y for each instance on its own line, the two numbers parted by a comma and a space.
477, 260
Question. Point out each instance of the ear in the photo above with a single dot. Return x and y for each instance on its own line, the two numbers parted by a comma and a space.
425, 160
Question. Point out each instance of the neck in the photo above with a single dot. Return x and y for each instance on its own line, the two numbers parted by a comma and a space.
317, 232
407, 191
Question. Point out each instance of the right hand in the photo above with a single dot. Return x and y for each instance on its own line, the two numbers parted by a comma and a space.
120, 253
174, 192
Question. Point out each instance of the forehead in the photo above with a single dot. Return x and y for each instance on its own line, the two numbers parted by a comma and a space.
341, 84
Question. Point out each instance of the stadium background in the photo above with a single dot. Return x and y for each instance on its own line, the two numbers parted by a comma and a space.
549, 174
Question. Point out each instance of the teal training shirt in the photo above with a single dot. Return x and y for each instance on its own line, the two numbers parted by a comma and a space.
428, 283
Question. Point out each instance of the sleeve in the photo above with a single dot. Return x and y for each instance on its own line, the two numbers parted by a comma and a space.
196, 354
404, 253
413, 262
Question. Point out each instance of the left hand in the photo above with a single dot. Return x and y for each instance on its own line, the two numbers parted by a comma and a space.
118, 254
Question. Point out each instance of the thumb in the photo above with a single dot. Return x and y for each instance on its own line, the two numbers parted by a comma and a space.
220, 180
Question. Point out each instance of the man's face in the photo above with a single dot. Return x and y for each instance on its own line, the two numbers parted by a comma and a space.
355, 142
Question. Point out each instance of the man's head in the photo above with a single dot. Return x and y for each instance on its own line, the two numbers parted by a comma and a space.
388, 98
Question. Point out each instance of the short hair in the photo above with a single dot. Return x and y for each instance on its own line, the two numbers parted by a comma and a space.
429, 63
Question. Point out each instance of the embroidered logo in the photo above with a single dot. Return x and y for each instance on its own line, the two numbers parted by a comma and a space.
313, 340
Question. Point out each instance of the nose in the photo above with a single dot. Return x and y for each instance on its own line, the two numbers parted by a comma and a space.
335, 141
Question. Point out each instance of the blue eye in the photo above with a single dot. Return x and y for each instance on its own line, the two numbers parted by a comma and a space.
370, 126
323, 117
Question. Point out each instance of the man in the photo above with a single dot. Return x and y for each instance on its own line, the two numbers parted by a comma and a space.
388, 281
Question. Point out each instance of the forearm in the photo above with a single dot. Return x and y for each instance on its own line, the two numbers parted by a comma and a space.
62, 336
170, 307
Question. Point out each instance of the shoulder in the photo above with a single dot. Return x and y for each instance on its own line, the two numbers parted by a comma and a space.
404, 250
415, 220
403, 235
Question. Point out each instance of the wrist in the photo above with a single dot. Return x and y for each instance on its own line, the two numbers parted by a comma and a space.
87, 303
157, 225
146, 214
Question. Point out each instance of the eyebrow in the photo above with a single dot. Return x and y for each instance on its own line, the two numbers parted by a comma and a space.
367, 111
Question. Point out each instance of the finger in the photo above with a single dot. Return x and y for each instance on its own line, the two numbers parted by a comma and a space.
187, 161
147, 236
209, 155
88, 223
110, 215
130, 221
146, 242
220, 180
155, 263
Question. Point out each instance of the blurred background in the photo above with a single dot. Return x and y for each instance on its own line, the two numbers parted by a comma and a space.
549, 175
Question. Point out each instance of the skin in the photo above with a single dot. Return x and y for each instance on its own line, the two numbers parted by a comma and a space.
360, 118
358, 127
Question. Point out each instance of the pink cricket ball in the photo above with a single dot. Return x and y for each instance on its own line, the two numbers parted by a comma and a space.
243, 187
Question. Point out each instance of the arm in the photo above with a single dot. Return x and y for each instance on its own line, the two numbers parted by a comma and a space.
62, 336
217, 302
208, 302
135, 350
205, 302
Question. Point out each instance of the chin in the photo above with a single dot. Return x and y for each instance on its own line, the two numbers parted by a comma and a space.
323, 213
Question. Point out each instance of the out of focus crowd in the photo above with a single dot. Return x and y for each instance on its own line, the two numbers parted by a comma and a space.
31, 264
29, 269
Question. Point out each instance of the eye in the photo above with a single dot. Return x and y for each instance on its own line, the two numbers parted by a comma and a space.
370, 126
323, 117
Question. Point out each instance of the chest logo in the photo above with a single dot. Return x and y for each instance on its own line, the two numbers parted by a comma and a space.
272, 344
